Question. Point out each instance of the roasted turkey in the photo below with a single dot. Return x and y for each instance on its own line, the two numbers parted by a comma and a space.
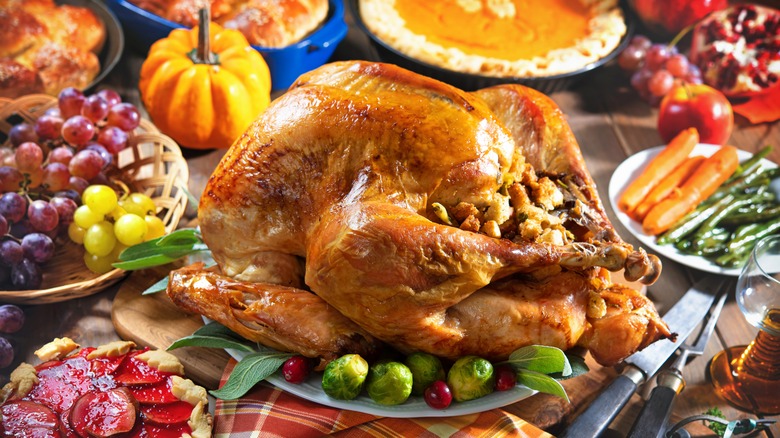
370, 205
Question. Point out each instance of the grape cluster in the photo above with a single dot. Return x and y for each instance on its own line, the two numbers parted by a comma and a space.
45, 167
11, 321
106, 225
655, 68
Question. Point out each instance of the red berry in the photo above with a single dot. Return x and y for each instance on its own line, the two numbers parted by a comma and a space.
438, 395
506, 378
296, 369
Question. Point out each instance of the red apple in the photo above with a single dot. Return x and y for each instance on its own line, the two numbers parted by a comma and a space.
672, 16
699, 106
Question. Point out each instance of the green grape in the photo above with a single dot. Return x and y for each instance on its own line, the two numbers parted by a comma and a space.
130, 229
99, 239
118, 248
97, 264
131, 207
117, 213
85, 217
146, 204
155, 227
101, 199
76, 233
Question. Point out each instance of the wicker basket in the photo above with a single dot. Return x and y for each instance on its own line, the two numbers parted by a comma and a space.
151, 164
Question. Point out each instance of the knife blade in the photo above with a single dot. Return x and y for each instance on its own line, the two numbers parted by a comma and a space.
682, 318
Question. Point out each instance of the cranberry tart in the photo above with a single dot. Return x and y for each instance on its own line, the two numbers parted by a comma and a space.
114, 390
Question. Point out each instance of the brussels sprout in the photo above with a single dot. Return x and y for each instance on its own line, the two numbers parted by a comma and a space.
389, 383
426, 369
470, 377
343, 378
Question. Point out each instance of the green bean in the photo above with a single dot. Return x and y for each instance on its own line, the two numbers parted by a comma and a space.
713, 221
690, 222
748, 164
764, 213
738, 249
714, 243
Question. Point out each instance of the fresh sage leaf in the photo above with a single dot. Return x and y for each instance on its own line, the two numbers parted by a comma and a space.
157, 287
541, 382
540, 358
184, 236
162, 250
213, 335
146, 262
578, 368
248, 372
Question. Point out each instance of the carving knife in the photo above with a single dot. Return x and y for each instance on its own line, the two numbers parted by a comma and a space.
682, 318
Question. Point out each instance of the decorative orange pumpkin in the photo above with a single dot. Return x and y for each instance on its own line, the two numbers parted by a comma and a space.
204, 95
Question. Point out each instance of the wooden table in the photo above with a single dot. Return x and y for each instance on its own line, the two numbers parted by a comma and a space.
610, 123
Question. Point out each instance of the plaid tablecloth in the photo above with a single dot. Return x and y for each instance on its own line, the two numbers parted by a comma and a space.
267, 411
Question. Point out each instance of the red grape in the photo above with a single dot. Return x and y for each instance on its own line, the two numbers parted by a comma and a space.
70, 101
677, 65
95, 108
660, 83
124, 116
48, 127
78, 184
10, 179
3, 226
11, 318
28, 156
13, 206
86, 164
65, 206
56, 176
113, 138
61, 154
6, 353
656, 57
11, 252
42, 215
38, 247
631, 58
110, 96
640, 41
26, 275
78, 130
53, 111
23, 132
438, 395
34, 177
639, 81
104, 153
296, 369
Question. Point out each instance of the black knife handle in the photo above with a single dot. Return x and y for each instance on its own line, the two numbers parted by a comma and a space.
651, 422
594, 421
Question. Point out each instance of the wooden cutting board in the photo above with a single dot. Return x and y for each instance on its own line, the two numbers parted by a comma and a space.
154, 321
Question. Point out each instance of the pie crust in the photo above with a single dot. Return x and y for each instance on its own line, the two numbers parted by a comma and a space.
150, 379
501, 38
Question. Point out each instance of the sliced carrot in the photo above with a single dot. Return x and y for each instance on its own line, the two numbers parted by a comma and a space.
658, 168
666, 186
699, 186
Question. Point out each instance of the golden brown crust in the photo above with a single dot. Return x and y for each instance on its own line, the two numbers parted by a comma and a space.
605, 28
267, 23
45, 47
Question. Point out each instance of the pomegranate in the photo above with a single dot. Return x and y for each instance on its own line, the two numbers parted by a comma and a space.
738, 49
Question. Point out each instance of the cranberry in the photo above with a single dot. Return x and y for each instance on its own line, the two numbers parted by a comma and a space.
506, 378
296, 369
438, 395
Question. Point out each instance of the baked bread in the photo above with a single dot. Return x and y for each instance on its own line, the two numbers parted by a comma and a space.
267, 23
105, 391
46, 47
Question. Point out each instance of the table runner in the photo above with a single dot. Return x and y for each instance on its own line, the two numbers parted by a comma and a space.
267, 411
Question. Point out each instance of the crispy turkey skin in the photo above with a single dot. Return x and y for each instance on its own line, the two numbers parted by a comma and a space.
417, 215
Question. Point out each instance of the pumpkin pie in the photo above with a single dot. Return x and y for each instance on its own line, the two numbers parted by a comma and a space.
502, 38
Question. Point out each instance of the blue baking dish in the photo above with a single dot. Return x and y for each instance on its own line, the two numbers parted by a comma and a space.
143, 28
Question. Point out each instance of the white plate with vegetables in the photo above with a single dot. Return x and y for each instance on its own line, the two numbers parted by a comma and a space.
628, 170
414, 407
